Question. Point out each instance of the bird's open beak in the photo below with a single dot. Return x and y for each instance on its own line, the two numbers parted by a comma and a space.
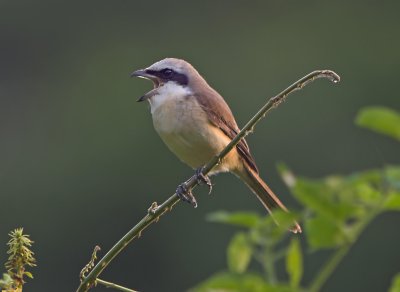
142, 73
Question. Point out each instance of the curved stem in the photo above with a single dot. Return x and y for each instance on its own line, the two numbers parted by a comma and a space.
155, 211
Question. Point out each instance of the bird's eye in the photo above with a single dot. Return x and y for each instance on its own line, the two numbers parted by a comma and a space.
167, 72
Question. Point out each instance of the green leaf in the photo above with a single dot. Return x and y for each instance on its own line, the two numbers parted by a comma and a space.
323, 233
395, 287
357, 193
313, 195
294, 263
367, 193
318, 197
380, 119
6, 282
245, 219
374, 176
226, 282
28, 274
239, 253
392, 202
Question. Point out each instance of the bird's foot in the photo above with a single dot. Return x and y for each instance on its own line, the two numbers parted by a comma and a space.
203, 179
186, 195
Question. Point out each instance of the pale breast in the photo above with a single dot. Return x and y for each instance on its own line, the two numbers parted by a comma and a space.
185, 129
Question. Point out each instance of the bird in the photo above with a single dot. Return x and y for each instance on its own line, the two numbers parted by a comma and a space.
196, 123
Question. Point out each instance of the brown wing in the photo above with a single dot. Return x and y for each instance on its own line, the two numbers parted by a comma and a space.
221, 116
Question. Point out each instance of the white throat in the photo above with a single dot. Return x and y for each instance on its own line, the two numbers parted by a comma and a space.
166, 93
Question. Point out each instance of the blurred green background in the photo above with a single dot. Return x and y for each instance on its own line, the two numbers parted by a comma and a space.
80, 161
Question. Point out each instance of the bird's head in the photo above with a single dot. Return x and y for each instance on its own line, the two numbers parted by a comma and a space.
167, 71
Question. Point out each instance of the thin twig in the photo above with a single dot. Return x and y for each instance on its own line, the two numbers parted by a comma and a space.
156, 211
112, 285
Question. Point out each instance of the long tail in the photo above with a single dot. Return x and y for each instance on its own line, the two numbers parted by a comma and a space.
263, 192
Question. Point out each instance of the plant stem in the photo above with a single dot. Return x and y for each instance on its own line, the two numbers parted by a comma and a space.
112, 285
156, 211
329, 267
338, 256
269, 265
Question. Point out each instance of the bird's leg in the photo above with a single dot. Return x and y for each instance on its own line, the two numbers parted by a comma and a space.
186, 195
203, 179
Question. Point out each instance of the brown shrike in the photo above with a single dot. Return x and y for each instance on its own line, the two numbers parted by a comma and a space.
196, 123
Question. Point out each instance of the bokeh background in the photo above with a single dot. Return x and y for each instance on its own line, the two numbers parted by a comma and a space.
80, 162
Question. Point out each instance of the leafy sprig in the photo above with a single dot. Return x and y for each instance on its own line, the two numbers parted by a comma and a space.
20, 257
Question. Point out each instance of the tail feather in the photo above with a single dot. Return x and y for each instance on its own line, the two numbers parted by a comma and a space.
264, 193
